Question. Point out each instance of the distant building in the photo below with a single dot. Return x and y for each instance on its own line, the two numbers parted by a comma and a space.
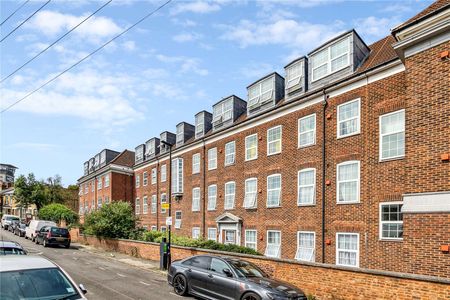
7, 176
10, 207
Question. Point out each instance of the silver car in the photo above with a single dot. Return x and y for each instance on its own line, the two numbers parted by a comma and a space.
35, 277
214, 277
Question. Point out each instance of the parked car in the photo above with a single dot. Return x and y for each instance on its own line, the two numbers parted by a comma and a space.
13, 225
52, 235
34, 227
19, 229
35, 277
7, 219
214, 277
10, 247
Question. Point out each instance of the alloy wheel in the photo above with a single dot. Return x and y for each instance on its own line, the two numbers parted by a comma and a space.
179, 285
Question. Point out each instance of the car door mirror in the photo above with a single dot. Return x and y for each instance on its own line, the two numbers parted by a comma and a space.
82, 288
227, 272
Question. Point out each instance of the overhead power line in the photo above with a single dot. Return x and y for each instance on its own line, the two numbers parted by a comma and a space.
13, 13
24, 21
87, 56
51, 45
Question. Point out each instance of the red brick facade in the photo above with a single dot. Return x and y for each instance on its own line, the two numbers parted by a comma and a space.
417, 83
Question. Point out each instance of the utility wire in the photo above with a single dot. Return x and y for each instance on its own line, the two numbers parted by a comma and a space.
87, 56
23, 22
12, 14
60, 38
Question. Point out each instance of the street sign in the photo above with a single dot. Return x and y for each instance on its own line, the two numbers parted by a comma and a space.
165, 205
169, 221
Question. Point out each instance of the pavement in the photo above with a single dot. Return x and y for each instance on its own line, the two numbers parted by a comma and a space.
105, 275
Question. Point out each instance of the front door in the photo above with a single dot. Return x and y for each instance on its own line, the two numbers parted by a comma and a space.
229, 236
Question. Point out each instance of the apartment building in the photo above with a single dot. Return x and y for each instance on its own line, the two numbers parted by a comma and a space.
342, 160
108, 176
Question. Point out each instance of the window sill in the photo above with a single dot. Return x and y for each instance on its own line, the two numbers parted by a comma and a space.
211, 209
348, 135
306, 204
274, 206
232, 208
195, 210
272, 154
250, 208
230, 165
305, 146
251, 159
391, 240
212, 169
349, 202
391, 159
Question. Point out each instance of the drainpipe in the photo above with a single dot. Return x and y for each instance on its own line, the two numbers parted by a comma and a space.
325, 104
158, 177
204, 191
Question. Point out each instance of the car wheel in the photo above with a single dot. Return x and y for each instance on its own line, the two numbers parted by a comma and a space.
180, 285
251, 296
67, 246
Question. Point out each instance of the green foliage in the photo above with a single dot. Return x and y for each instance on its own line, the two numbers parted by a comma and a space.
157, 236
115, 220
56, 212
311, 297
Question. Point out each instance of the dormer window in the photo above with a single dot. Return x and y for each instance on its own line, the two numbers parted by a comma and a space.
86, 168
103, 157
96, 161
91, 164
184, 132
180, 135
294, 75
199, 125
139, 153
261, 92
223, 111
150, 148
331, 59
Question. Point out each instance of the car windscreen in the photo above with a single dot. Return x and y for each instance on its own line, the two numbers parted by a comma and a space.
42, 284
11, 251
60, 231
12, 219
23, 226
246, 269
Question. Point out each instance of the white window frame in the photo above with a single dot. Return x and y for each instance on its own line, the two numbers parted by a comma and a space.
179, 138
267, 244
178, 220
196, 163
220, 117
99, 202
274, 141
195, 233
144, 178
106, 180
247, 243
99, 183
199, 121
177, 175
212, 198
247, 148
154, 174
163, 229
163, 173
381, 158
150, 148
196, 201
275, 189
137, 206
308, 131
347, 250
144, 205
381, 237
328, 62
358, 118
232, 161
163, 199
212, 237
256, 193
138, 181
297, 79
153, 228
233, 195
305, 186
313, 255
358, 185
257, 100
212, 158
154, 204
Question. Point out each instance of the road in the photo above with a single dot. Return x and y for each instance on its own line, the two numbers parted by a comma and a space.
103, 277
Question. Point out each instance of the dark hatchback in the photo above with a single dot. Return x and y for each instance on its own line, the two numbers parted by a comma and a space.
53, 236
19, 229
214, 277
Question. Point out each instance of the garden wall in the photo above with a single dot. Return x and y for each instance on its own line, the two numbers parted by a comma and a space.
321, 280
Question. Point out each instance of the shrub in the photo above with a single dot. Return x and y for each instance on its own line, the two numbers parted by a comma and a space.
115, 220
56, 212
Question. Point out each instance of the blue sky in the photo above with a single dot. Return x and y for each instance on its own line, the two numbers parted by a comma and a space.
176, 63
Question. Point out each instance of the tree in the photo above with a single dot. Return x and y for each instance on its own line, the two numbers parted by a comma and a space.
115, 220
23, 190
56, 212
54, 190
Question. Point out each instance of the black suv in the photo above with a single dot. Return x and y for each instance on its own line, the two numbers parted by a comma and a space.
51, 235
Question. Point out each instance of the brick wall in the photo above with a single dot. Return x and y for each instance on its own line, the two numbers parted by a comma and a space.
320, 280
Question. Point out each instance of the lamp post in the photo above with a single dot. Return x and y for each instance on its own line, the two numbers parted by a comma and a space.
169, 250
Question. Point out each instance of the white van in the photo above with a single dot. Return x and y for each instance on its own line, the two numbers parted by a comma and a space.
34, 227
7, 220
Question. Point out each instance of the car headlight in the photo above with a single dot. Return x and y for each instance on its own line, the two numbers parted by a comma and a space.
273, 296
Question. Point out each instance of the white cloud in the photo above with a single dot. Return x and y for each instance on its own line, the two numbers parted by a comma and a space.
256, 70
288, 32
184, 23
187, 37
34, 146
397, 8
51, 23
129, 45
373, 28
199, 7
186, 64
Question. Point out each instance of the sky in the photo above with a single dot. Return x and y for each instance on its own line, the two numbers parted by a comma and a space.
179, 61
